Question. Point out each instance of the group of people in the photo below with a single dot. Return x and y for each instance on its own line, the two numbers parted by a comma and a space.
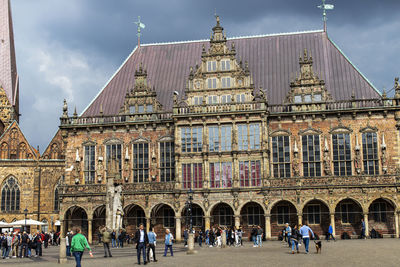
21, 245
213, 237
118, 238
297, 235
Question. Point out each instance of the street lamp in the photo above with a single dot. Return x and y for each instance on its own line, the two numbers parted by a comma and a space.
26, 214
190, 215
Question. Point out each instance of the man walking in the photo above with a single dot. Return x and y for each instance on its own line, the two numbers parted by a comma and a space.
152, 245
68, 240
305, 233
168, 242
141, 240
106, 239
330, 233
78, 245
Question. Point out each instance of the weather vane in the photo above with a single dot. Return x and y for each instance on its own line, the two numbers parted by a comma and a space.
140, 26
324, 8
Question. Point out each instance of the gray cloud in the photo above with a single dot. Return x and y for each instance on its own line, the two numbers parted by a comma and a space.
69, 49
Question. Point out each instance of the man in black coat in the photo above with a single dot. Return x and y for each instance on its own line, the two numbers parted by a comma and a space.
141, 240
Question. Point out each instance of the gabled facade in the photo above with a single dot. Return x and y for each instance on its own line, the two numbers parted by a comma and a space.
261, 136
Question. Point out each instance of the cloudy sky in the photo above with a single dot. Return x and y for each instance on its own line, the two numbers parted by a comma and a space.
70, 48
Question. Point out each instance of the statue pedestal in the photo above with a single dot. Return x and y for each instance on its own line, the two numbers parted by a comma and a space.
223, 235
191, 244
62, 257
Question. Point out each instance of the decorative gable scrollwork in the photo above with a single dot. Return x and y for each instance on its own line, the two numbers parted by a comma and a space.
307, 90
142, 99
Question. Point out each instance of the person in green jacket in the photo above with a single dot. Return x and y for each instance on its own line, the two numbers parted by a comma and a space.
78, 245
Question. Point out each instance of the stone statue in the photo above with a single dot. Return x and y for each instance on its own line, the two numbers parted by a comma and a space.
117, 207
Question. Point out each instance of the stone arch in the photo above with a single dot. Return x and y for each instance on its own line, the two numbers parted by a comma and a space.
272, 204
381, 216
98, 220
76, 216
388, 199
210, 209
316, 213
316, 199
162, 216
222, 214
134, 214
356, 201
348, 215
197, 217
252, 214
254, 201
282, 211
182, 208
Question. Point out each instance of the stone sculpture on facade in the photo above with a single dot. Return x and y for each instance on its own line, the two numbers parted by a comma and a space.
114, 199
296, 169
357, 159
327, 160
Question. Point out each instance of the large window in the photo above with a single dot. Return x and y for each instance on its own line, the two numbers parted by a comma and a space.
221, 174
341, 154
281, 156
140, 162
192, 139
226, 82
114, 152
347, 211
90, 164
253, 214
220, 138
313, 214
250, 173
249, 136
225, 64
211, 65
167, 163
212, 83
192, 175
10, 195
169, 217
283, 214
311, 156
378, 210
197, 216
370, 153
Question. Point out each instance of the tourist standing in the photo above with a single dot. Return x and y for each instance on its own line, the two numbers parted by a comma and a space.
24, 245
363, 229
113, 239
38, 244
330, 233
185, 237
200, 237
152, 245
259, 236
169, 238
141, 240
78, 245
106, 239
305, 233
254, 236
121, 238
288, 231
68, 240
14, 245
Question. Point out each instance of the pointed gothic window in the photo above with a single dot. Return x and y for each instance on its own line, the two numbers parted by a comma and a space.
10, 195
4, 151
14, 143
54, 151
56, 200
22, 151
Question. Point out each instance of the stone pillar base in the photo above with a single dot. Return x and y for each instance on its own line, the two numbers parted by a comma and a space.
62, 257
191, 245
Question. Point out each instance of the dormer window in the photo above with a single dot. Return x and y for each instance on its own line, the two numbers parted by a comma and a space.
297, 99
317, 97
141, 109
132, 109
212, 83
211, 65
226, 82
149, 108
225, 64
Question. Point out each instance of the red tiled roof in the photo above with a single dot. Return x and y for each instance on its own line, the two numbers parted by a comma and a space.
273, 62
8, 65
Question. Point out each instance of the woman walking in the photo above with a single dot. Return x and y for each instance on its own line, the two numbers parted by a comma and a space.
78, 245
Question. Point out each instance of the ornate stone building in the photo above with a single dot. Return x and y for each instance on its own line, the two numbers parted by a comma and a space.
261, 135
28, 180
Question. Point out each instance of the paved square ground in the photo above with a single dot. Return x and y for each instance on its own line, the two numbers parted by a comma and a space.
377, 252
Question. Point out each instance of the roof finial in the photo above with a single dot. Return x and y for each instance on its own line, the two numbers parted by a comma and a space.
324, 8
140, 26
